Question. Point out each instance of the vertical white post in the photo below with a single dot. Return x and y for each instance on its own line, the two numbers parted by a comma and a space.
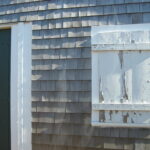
21, 35
95, 86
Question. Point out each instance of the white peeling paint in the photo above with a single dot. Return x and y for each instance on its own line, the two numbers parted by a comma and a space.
121, 37
124, 117
115, 118
121, 72
123, 77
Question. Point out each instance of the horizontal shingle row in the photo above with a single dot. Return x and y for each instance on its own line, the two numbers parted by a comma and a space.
50, 147
61, 64
56, 4
61, 33
86, 130
95, 142
61, 96
79, 22
61, 119
61, 75
61, 43
73, 12
61, 107
62, 53
73, 85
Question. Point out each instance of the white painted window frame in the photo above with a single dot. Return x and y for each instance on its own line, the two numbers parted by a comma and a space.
20, 85
96, 106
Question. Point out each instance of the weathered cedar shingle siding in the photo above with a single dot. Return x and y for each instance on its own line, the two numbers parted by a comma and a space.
61, 76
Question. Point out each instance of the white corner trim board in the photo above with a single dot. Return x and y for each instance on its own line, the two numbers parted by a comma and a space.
21, 37
121, 75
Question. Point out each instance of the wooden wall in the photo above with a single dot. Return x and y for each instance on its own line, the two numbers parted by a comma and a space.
61, 70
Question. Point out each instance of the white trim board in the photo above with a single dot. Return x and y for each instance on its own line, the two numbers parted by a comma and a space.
121, 37
122, 107
118, 125
20, 83
21, 37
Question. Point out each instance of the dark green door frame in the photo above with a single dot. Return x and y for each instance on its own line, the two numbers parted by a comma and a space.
5, 48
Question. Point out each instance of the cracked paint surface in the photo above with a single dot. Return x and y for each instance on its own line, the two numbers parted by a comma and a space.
124, 117
124, 81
